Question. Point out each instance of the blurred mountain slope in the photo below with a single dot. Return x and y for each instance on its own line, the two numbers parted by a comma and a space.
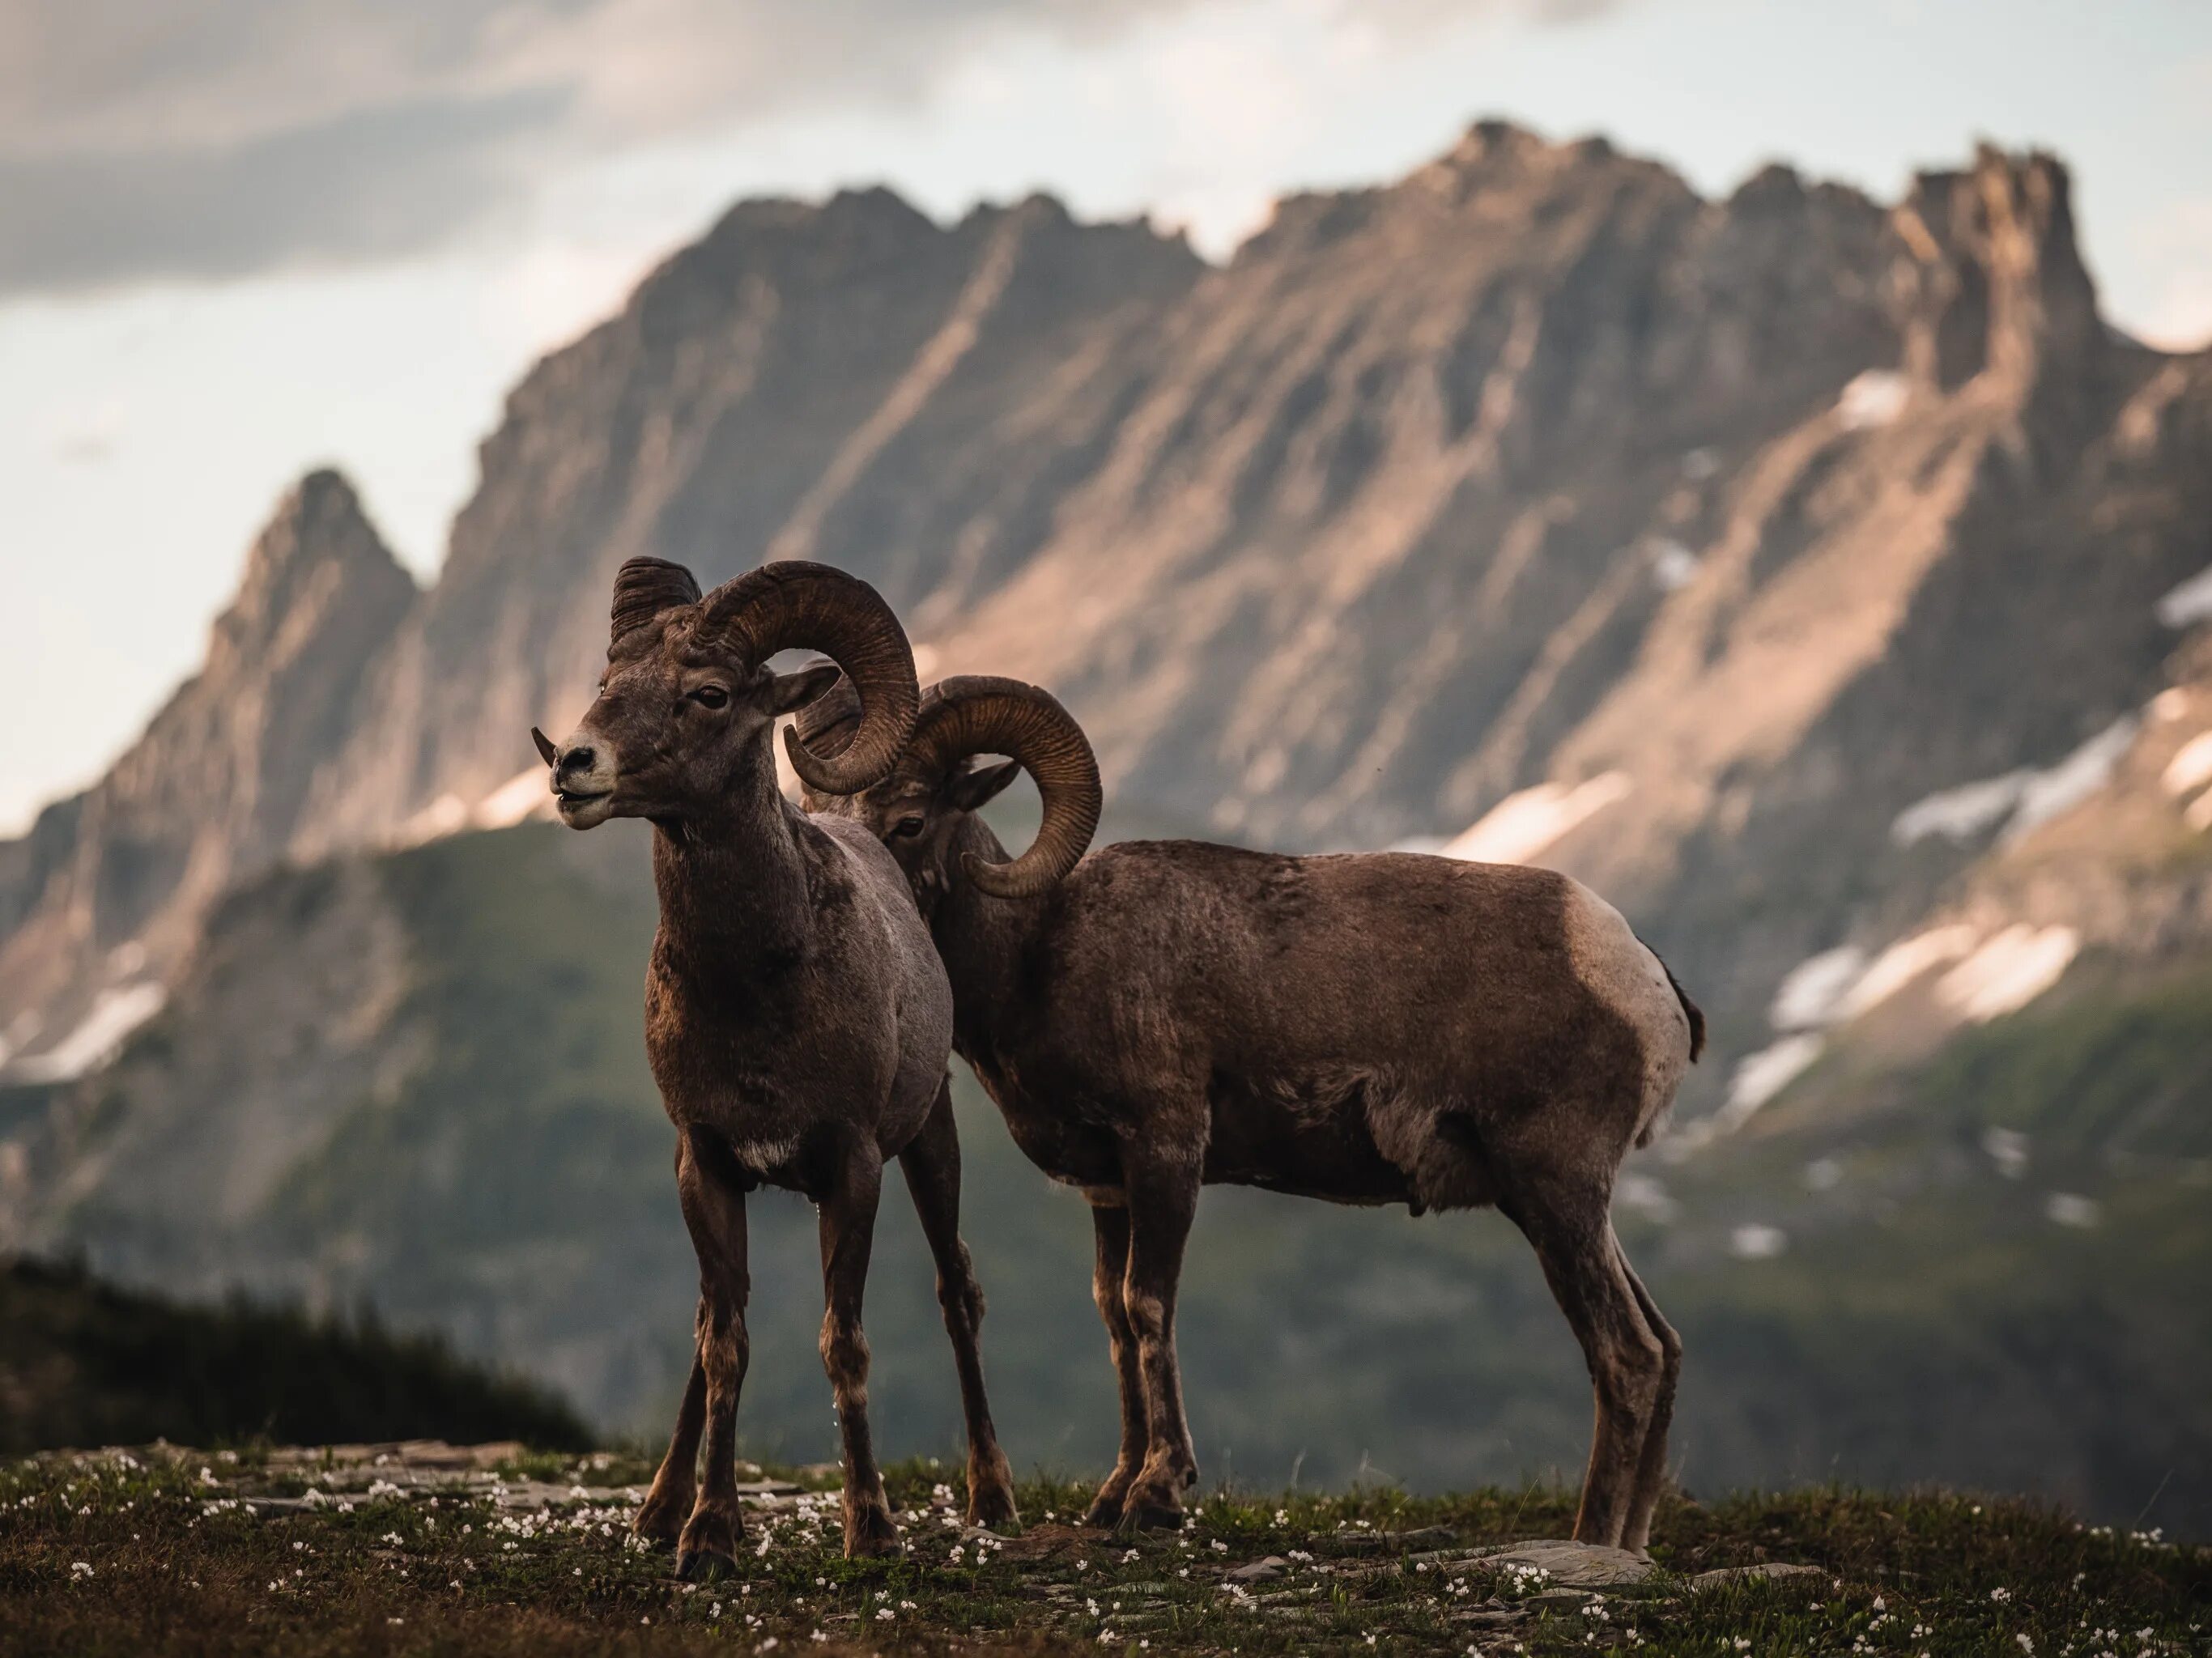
1867, 1292
1699, 537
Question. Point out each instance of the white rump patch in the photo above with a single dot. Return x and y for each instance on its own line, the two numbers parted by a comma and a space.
1524, 824
115, 1014
1812, 993
2010, 971
1875, 398
2189, 603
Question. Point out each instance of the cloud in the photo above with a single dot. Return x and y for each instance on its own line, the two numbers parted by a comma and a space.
379, 183
141, 142
208, 140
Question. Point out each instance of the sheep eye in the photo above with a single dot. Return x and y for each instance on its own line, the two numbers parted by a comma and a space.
711, 697
907, 828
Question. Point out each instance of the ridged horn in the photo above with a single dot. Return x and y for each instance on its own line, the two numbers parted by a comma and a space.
980, 714
644, 587
793, 604
827, 724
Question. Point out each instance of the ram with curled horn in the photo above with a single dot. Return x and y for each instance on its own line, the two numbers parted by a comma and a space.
798, 1020
1364, 1028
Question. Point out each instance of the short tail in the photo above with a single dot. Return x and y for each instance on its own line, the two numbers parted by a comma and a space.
1697, 1015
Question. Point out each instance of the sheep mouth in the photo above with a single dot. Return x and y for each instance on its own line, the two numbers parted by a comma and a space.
568, 797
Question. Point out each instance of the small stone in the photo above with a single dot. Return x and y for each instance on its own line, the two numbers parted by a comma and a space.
1258, 1572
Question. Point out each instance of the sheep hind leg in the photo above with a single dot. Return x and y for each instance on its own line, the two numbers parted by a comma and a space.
931, 1166
1162, 1202
1572, 1235
1651, 1464
713, 1189
848, 1231
1110, 1232
661, 1516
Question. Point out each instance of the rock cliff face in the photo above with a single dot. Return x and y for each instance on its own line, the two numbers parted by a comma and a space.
1532, 502
105, 897
850, 383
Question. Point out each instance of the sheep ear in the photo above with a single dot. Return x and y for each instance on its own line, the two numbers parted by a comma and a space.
795, 690
546, 751
974, 789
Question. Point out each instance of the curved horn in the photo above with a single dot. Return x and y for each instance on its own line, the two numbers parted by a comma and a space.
979, 713
644, 587
793, 603
826, 725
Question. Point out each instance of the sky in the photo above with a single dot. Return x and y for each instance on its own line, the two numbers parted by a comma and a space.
244, 238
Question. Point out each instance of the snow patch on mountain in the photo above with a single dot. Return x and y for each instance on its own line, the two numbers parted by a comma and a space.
116, 1012
2024, 800
2190, 603
1875, 398
2008, 971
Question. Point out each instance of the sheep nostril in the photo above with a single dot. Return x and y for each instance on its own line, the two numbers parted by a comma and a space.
575, 760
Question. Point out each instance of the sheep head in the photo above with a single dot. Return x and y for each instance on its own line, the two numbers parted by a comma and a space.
918, 809
679, 729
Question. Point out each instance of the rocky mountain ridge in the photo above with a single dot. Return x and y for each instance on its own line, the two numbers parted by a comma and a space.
103, 900
1532, 502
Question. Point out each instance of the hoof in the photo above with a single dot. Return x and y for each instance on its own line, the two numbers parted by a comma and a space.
660, 1522
870, 1533
873, 1545
1143, 1514
704, 1565
1105, 1513
993, 1506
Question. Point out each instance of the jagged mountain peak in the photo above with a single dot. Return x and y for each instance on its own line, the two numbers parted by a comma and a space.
213, 790
1531, 469
1996, 278
318, 546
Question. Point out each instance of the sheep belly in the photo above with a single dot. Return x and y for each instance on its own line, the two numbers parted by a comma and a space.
1306, 1137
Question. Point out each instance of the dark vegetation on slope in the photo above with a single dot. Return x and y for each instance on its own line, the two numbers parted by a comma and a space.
83, 1363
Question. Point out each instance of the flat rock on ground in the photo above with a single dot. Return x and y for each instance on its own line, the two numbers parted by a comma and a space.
1568, 1565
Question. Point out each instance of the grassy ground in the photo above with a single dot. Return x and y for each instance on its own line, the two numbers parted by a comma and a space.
107, 1554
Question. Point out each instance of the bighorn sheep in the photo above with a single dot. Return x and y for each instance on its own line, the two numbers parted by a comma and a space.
798, 1021
1364, 1028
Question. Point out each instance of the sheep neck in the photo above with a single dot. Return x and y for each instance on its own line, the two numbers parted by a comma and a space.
733, 879
983, 940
